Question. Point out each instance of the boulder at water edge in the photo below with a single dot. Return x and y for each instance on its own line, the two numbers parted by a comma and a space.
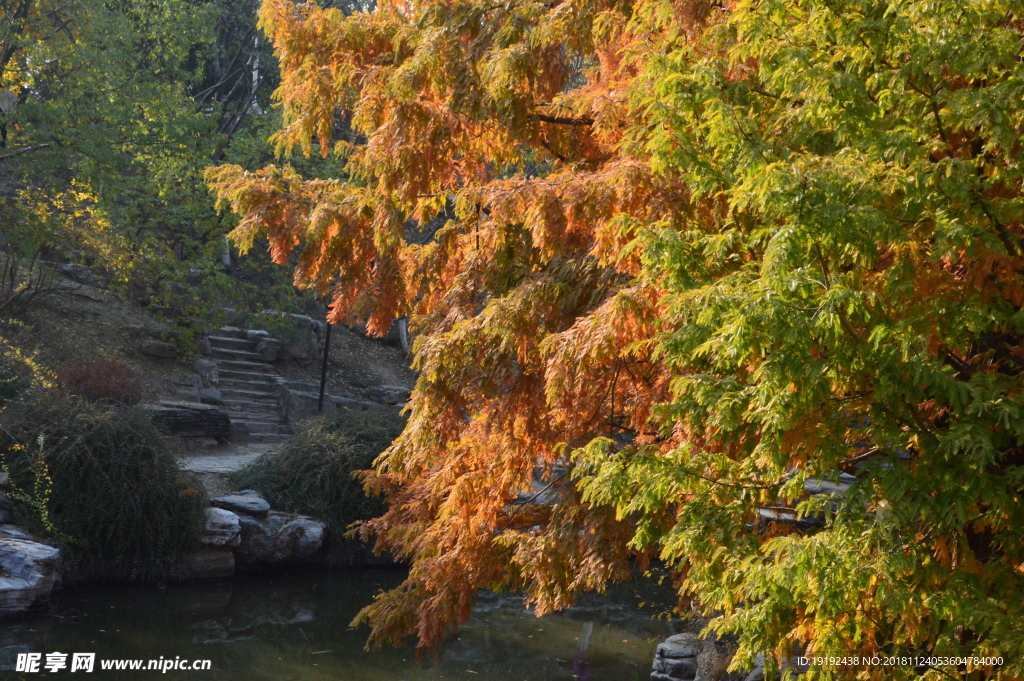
222, 528
246, 502
676, 658
28, 571
278, 538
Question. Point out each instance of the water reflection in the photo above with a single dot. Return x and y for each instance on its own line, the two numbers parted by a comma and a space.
295, 627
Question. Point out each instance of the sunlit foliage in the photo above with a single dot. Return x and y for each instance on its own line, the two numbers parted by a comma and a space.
697, 254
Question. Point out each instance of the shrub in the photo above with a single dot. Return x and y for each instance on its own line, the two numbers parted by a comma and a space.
104, 480
102, 380
11, 382
313, 472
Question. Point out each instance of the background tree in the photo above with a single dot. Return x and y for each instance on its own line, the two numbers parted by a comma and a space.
117, 109
746, 249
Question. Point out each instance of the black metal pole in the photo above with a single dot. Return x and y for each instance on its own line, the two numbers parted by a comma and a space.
323, 371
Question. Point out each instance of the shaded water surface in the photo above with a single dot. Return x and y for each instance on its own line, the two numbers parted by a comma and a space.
295, 627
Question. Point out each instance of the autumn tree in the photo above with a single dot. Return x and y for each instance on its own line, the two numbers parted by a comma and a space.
697, 260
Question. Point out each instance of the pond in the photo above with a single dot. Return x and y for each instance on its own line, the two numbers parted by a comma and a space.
293, 627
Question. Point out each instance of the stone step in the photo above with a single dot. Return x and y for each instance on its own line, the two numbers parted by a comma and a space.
244, 402
257, 393
245, 366
231, 332
255, 413
254, 395
222, 353
245, 384
269, 438
259, 412
252, 405
250, 417
228, 343
266, 427
240, 375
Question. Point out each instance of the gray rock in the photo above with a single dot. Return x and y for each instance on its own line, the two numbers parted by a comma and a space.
14, 532
206, 369
303, 405
158, 349
247, 502
211, 396
278, 538
268, 349
5, 480
203, 345
388, 394
222, 528
212, 563
676, 658
715, 655
190, 420
239, 433
28, 572
257, 335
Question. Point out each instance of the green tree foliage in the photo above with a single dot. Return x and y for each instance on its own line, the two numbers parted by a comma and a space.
773, 241
117, 108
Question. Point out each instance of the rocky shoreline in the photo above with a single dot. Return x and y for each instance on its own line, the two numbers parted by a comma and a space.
241, 532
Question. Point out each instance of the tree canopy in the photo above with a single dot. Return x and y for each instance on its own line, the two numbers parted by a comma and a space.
694, 259
113, 109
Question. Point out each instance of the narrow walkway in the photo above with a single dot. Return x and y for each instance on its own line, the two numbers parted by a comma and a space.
219, 463
212, 469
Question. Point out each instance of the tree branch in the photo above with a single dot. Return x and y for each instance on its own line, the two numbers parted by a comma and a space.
23, 150
562, 120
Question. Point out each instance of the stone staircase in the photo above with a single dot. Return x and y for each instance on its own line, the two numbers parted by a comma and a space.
248, 384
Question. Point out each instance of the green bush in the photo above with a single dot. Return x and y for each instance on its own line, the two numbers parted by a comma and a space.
313, 473
104, 480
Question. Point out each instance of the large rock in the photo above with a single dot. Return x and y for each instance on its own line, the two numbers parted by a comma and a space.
278, 538
688, 657
28, 571
268, 349
299, 406
211, 563
676, 658
158, 349
388, 394
206, 369
191, 420
211, 396
247, 502
239, 434
222, 528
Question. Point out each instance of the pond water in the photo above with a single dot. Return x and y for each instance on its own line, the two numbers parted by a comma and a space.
294, 627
